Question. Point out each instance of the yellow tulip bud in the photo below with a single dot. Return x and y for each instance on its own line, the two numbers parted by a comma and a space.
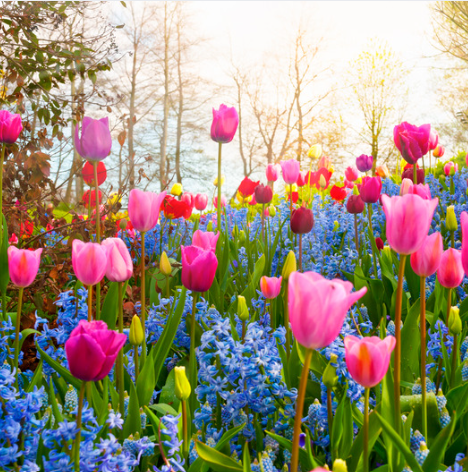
322, 181
315, 151
329, 377
136, 335
242, 308
182, 385
215, 181
289, 266
340, 466
336, 226
451, 219
454, 322
164, 264
272, 210
176, 190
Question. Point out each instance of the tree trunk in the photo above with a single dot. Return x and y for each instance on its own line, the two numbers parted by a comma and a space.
74, 153
131, 122
181, 108
162, 164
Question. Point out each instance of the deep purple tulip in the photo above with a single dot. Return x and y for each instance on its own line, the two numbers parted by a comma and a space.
408, 174
364, 163
10, 127
302, 220
224, 126
95, 143
263, 194
412, 141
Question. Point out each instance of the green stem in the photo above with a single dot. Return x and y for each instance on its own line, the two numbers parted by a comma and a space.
397, 352
98, 301
422, 327
98, 218
371, 235
193, 360
366, 430
286, 320
90, 303
120, 359
263, 224
168, 291
76, 445
454, 361
330, 421
143, 298
299, 407
185, 434
4, 303
17, 332
136, 361
452, 238
300, 252
219, 187
415, 175
356, 235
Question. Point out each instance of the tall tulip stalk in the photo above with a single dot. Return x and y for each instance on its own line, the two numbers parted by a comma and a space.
223, 130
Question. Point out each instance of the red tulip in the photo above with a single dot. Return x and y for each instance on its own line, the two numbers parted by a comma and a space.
247, 187
408, 174
174, 208
302, 220
338, 193
88, 173
263, 194
90, 197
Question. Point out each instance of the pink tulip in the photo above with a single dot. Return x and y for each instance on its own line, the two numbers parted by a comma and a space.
188, 198
405, 186
224, 125
291, 169
92, 349
408, 221
318, 307
348, 184
223, 201
13, 239
198, 268
89, 261
143, 209
201, 201
351, 173
439, 151
412, 141
270, 286
448, 168
10, 127
95, 143
433, 139
425, 261
368, 359
204, 240
119, 262
450, 273
272, 172
370, 189
324, 162
23, 265
464, 249
422, 190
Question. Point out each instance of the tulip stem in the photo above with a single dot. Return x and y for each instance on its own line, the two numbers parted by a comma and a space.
286, 319
299, 407
76, 445
263, 224
330, 420
439, 367
193, 360
98, 219
143, 298
90, 303
422, 327
397, 352
366, 430
300, 252
2, 158
371, 236
120, 359
415, 175
356, 235
185, 435
219, 187
454, 361
17, 332
136, 362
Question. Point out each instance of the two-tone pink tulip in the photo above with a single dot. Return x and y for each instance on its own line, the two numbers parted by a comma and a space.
144, 208
270, 286
205, 240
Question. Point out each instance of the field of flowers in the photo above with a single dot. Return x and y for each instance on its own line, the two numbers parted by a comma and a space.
323, 330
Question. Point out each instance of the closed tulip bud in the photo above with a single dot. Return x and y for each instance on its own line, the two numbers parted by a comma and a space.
215, 181
289, 266
23, 265
272, 210
123, 224
454, 322
340, 466
387, 252
182, 385
201, 201
136, 335
315, 151
242, 308
451, 219
209, 226
95, 143
322, 181
450, 273
439, 151
164, 264
302, 220
330, 378
263, 194
176, 190
242, 236
119, 262
336, 226
405, 186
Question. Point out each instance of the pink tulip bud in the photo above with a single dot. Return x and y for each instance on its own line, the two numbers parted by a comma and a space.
10, 127
201, 201
119, 261
368, 359
89, 261
223, 201
370, 189
270, 286
324, 162
405, 186
198, 268
422, 190
143, 209
348, 184
448, 168
408, 221
412, 141
224, 125
318, 307
23, 265
291, 169
188, 198
204, 240
433, 139
272, 172
95, 143
450, 273
426, 260
351, 173
92, 349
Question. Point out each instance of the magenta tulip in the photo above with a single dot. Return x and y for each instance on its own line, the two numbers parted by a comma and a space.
198, 268
368, 358
95, 143
272, 172
318, 307
23, 265
201, 201
89, 261
119, 262
370, 189
408, 221
224, 125
450, 273
426, 260
263, 194
364, 163
143, 209
291, 169
351, 173
92, 349
422, 190
302, 220
412, 141
204, 240
10, 127
355, 205
270, 286
464, 249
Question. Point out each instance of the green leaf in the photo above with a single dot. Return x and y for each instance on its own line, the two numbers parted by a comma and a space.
217, 461
4, 274
37, 377
133, 421
246, 458
111, 305
399, 443
53, 403
146, 381
164, 409
24, 334
411, 340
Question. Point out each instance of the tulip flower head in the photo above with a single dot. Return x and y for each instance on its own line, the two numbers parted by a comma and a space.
272, 172
205, 240
426, 260
318, 307
382, 171
88, 173
143, 209
412, 141
370, 189
198, 268
223, 201
224, 125
450, 168
201, 201
439, 151
89, 261
10, 127
270, 286
464, 249
351, 173
92, 349
422, 190
315, 151
174, 208
338, 193
368, 358
450, 273
302, 220
188, 198
364, 163
263, 194
291, 169
119, 262
23, 265
176, 190
95, 142
355, 205
408, 174
247, 187
433, 139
